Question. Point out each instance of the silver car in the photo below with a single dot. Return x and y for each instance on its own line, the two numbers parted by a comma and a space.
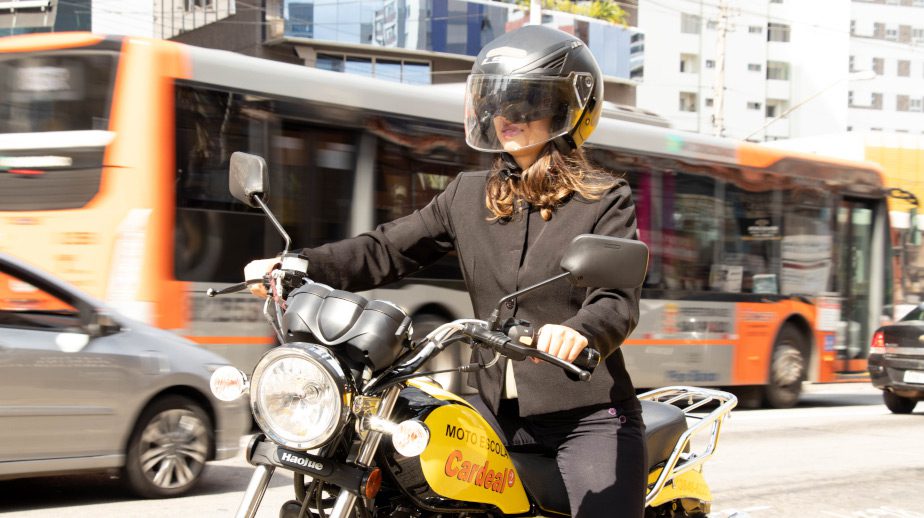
85, 388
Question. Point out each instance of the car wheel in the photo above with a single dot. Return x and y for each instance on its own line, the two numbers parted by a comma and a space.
898, 404
787, 370
168, 448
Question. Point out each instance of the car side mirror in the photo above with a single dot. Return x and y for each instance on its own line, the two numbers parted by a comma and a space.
605, 262
248, 177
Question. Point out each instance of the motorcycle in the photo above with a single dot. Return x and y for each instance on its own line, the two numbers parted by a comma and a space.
346, 405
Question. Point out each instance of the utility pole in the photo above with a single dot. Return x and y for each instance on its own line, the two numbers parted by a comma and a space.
718, 96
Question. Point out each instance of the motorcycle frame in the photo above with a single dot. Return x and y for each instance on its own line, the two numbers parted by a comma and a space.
679, 461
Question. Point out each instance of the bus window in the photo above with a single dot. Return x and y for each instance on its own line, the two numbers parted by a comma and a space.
63, 92
751, 242
807, 246
314, 174
214, 235
690, 230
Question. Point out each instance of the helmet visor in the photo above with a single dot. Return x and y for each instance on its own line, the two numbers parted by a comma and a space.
507, 113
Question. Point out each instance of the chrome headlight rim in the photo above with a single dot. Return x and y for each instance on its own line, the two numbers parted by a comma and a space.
329, 365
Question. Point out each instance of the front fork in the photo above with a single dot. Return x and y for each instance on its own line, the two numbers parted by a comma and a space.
346, 500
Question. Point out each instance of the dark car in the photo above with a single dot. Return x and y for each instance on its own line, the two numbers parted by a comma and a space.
84, 388
896, 362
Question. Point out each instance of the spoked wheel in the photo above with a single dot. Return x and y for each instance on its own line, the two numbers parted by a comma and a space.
168, 449
787, 370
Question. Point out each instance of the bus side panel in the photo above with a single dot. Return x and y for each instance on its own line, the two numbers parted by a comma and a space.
140, 170
758, 326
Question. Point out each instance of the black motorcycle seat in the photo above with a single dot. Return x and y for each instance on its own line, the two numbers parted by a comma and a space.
664, 424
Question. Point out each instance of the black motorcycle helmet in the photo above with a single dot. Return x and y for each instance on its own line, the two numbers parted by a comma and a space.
533, 73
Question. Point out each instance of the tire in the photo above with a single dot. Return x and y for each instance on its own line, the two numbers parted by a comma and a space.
168, 449
898, 404
787, 370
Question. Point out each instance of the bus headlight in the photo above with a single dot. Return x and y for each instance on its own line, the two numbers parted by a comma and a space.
300, 396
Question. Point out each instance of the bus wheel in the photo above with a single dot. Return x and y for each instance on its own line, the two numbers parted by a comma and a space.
787, 370
898, 404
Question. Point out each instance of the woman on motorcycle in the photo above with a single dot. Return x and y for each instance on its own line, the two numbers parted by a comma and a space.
534, 96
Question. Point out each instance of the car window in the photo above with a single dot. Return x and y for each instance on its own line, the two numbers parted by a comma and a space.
24, 305
915, 314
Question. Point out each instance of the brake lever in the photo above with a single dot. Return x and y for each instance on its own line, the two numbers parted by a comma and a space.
516, 352
234, 288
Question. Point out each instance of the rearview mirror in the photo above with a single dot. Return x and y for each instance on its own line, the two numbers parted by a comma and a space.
605, 262
248, 176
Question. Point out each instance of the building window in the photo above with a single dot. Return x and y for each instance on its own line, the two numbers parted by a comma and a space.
776, 107
879, 66
902, 103
850, 98
776, 1
904, 68
709, 102
891, 34
756, 29
878, 30
753, 105
710, 63
689, 63
712, 25
875, 129
690, 23
688, 101
915, 104
754, 67
777, 32
778, 70
853, 27
917, 35
876, 103
200, 4
852, 63
400, 71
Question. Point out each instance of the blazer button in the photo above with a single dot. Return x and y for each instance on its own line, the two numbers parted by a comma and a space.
510, 304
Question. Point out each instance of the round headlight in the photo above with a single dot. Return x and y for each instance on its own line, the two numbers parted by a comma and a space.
300, 396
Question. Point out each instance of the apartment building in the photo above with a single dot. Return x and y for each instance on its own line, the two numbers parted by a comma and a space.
887, 36
734, 67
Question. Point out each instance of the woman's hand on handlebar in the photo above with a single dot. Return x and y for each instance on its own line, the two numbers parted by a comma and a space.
560, 341
257, 270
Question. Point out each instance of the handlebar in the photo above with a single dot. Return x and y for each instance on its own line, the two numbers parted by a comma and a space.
505, 345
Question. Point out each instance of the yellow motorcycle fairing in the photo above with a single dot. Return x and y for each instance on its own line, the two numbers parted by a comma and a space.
465, 459
689, 485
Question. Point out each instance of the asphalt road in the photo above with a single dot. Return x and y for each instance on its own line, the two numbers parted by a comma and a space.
839, 454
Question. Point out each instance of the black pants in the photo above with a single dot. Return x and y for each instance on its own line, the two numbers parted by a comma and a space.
600, 452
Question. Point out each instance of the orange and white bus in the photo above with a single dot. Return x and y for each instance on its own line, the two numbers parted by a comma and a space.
768, 267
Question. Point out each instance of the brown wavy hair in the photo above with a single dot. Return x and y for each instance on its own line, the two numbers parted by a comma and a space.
546, 184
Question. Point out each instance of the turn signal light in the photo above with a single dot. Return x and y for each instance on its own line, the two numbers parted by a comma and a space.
878, 344
372, 483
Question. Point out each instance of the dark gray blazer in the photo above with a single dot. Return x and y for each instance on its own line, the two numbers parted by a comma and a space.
496, 261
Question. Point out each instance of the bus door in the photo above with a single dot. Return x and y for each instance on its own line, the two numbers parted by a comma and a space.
854, 249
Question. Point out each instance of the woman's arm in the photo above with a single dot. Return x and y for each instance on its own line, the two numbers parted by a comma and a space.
607, 317
390, 252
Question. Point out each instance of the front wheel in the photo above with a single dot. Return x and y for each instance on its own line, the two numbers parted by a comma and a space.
167, 451
898, 404
787, 370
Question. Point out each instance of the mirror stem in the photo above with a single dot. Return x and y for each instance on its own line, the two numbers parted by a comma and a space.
492, 321
285, 236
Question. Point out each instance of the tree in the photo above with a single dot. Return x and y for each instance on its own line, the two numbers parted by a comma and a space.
606, 10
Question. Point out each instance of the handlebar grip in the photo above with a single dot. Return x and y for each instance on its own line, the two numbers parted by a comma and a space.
588, 359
